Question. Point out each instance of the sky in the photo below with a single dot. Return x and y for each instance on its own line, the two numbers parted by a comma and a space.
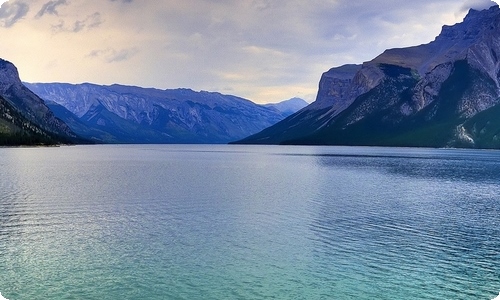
262, 50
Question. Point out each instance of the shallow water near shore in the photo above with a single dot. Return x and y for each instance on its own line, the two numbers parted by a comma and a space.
249, 222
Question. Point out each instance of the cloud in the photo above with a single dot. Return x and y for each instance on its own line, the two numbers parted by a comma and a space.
50, 8
111, 55
11, 12
91, 21
477, 5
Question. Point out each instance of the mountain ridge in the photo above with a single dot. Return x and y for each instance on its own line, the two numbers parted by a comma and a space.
416, 96
130, 114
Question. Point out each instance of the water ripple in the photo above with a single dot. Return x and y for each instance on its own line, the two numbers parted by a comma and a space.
156, 222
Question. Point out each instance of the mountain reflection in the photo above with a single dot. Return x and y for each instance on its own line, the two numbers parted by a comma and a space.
448, 165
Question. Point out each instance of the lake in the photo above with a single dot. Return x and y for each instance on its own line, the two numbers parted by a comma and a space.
249, 222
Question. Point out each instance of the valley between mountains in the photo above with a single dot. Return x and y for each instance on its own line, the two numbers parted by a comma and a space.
442, 94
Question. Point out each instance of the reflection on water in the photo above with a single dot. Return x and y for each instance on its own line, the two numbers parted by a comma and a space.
420, 224
464, 165
248, 222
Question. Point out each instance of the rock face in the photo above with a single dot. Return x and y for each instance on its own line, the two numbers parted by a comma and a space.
24, 117
441, 94
126, 114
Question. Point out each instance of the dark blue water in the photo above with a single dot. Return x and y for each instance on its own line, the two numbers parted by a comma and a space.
249, 222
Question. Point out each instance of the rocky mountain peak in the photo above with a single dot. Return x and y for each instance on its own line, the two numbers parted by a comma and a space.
453, 43
472, 40
475, 25
8, 75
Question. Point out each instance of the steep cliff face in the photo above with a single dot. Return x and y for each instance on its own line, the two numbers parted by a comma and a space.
336, 88
126, 114
25, 118
427, 95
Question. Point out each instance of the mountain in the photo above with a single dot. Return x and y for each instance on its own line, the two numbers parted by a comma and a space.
441, 94
24, 117
127, 114
288, 107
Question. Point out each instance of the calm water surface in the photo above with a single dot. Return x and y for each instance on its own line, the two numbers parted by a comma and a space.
248, 222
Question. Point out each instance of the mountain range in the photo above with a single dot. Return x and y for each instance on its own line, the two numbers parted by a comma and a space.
441, 94
128, 114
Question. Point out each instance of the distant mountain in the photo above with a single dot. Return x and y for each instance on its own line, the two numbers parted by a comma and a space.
441, 94
288, 107
24, 117
127, 114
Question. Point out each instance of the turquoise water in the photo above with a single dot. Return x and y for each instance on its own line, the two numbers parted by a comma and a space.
248, 222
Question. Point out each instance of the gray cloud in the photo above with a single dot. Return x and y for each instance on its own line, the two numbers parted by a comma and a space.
11, 12
92, 21
111, 55
124, 1
50, 8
